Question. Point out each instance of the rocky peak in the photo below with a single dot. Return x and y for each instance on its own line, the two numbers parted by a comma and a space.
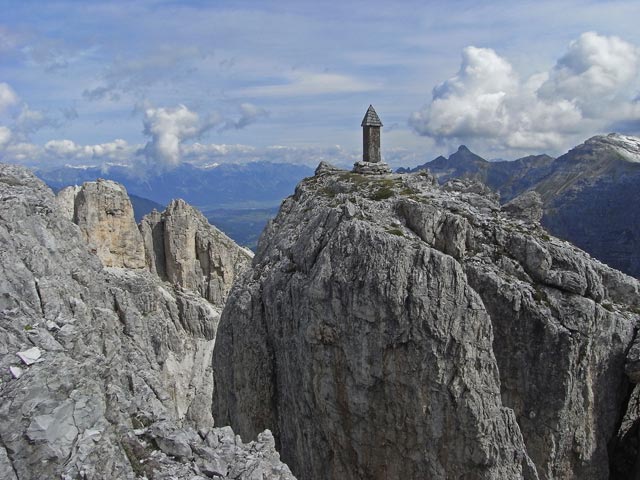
184, 249
627, 146
463, 153
179, 245
103, 212
392, 328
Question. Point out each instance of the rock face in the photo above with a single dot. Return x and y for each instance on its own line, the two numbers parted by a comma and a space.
182, 248
391, 328
527, 206
104, 214
114, 376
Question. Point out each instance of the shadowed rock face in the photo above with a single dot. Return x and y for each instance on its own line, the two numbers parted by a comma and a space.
184, 249
391, 328
586, 193
122, 383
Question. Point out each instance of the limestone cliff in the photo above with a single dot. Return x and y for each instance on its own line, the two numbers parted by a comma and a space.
184, 249
103, 212
105, 373
392, 328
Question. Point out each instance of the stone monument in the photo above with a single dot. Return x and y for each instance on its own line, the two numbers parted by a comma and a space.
371, 161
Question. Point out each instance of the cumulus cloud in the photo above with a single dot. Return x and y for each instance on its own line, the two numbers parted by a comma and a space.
7, 97
61, 152
172, 132
588, 89
204, 153
168, 129
118, 150
595, 70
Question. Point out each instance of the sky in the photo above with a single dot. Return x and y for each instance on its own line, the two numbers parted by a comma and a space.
152, 84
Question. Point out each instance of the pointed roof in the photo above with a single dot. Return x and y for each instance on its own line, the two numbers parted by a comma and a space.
371, 118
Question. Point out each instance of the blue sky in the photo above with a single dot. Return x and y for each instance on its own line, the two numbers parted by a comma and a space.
160, 82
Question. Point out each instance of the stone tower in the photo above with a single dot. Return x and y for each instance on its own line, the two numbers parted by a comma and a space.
371, 136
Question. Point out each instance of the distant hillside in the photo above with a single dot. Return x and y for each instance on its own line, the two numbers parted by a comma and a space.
589, 193
142, 206
257, 184
243, 225
508, 177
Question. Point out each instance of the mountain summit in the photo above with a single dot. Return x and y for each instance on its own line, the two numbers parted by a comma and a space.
394, 328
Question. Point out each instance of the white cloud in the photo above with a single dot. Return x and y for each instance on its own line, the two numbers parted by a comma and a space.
5, 136
589, 88
118, 150
24, 120
595, 70
169, 128
22, 152
7, 97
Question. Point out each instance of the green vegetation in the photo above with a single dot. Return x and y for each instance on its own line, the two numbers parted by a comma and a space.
328, 192
395, 231
382, 194
540, 295
607, 306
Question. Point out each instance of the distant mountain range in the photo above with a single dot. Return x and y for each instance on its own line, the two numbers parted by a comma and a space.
590, 194
238, 198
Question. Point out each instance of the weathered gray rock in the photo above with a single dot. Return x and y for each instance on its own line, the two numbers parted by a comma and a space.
371, 168
326, 167
526, 206
66, 201
121, 351
184, 249
103, 212
391, 328
184, 454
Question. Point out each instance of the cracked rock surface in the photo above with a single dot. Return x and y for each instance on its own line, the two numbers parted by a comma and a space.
103, 212
184, 249
121, 385
393, 328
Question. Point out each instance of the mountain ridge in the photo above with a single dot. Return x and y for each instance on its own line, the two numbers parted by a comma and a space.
585, 192
105, 371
